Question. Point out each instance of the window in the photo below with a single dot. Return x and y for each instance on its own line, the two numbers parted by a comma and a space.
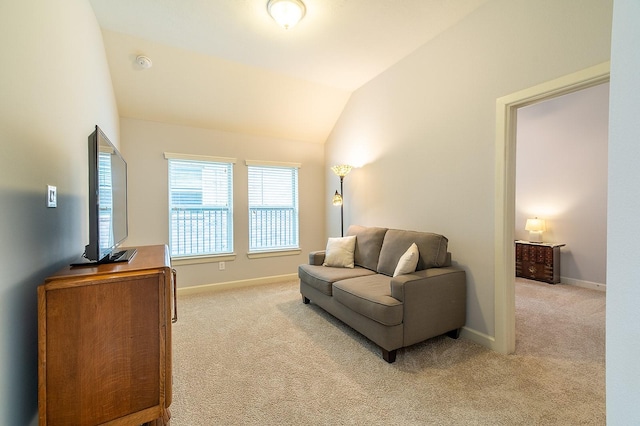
105, 201
273, 206
200, 205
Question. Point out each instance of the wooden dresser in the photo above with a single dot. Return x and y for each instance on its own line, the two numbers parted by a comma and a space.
538, 261
104, 342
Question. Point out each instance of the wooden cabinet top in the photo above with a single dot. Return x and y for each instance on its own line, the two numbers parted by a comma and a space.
540, 244
146, 258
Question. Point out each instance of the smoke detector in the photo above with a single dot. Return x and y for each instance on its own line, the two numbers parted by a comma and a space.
143, 62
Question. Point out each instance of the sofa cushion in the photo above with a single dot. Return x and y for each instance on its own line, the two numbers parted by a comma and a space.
432, 248
370, 296
368, 245
408, 261
321, 277
339, 252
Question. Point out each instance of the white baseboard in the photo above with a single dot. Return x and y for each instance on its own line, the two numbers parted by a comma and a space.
479, 338
585, 284
236, 284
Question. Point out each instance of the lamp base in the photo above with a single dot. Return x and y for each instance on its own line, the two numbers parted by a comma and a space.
535, 237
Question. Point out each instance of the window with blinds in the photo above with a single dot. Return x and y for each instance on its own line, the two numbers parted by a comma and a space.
105, 202
200, 207
273, 206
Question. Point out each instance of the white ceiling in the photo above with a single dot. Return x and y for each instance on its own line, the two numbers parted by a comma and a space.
226, 64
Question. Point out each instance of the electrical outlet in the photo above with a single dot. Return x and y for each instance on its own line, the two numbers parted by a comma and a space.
221, 266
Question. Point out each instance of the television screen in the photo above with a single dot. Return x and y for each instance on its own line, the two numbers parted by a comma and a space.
107, 199
112, 196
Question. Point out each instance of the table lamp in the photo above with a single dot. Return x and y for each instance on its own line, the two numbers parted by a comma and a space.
535, 227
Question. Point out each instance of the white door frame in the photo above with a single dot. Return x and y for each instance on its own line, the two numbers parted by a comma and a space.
505, 179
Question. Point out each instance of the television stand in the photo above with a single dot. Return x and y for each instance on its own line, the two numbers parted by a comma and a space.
104, 342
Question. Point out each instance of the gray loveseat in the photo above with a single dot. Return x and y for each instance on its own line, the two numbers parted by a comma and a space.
393, 312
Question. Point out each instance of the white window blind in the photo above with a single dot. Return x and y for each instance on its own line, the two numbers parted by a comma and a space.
273, 206
200, 207
105, 222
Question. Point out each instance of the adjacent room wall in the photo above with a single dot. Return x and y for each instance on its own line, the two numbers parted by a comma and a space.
623, 274
561, 177
423, 132
54, 88
143, 145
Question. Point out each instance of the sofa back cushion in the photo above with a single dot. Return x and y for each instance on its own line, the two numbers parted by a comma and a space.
432, 248
368, 245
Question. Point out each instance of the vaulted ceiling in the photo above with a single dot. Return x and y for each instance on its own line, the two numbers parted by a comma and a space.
225, 64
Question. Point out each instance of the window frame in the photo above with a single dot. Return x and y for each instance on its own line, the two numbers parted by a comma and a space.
293, 249
218, 256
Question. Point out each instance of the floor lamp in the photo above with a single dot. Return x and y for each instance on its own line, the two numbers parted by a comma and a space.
338, 199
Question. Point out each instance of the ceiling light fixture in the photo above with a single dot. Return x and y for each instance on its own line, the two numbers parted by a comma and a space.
287, 13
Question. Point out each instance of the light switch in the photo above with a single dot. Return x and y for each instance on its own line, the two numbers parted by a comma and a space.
52, 196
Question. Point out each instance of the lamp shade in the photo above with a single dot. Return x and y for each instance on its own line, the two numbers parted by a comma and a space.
535, 225
337, 199
287, 13
341, 170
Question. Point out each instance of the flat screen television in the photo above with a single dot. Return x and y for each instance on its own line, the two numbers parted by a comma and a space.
108, 226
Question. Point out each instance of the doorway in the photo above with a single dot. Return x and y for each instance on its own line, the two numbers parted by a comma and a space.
506, 125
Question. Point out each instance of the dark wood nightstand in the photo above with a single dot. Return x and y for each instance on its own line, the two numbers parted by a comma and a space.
538, 261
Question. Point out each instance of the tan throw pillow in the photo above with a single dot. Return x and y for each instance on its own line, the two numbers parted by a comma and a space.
408, 262
340, 251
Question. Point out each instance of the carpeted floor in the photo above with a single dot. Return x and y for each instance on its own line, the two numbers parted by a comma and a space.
258, 356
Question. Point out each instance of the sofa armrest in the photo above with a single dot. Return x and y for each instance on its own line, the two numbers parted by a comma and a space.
317, 257
434, 302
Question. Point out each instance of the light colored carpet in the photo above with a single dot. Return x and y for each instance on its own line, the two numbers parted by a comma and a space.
259, 356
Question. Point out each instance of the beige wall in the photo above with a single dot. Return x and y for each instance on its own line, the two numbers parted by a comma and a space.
561, 177
54, 88
143, 145
423, 132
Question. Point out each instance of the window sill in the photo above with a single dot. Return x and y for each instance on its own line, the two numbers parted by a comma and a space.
193, 260
273, 253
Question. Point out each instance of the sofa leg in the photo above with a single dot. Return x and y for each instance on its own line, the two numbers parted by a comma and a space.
389, 356
454, 334
305, 300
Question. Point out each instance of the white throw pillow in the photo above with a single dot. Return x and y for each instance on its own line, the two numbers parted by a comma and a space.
408, 262
340, 252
